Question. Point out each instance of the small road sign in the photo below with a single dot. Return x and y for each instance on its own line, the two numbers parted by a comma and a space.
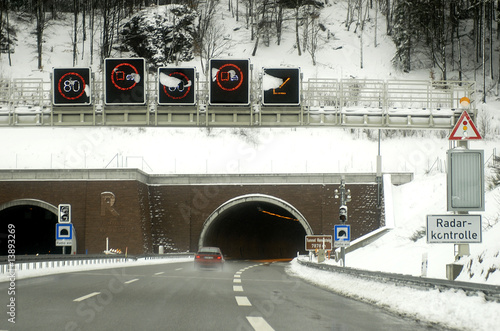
342, 235
64, 234
457, 229
464, 129
314, 242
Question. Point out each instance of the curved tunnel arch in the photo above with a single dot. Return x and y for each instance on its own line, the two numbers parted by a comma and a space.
236, 221
22, 245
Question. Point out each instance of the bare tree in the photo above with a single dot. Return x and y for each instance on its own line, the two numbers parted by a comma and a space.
40, 27
210, 36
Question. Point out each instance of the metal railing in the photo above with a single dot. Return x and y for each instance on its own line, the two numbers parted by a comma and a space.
491, 292
56, 261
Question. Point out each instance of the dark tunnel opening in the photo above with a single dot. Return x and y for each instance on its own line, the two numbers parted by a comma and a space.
33, 230
256, 230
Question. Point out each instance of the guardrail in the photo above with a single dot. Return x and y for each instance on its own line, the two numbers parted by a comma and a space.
491, 292
324, 102
32, 262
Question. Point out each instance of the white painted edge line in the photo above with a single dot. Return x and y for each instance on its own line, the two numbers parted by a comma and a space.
237, 280
238, 288
259, 323
237, 276
131, 281
178, 269
159, 273
87, 296
242, 301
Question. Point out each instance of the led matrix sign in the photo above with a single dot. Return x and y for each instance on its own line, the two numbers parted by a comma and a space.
71, 86
229, 82
281, 86
124, 81
176, 86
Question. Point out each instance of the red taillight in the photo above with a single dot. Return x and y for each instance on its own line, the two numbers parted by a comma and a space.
198, 257
218, 257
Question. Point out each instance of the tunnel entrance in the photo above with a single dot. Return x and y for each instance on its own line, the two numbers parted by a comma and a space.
256, 227
34, 224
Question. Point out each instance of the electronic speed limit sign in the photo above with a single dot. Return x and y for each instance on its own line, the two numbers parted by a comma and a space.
71, 86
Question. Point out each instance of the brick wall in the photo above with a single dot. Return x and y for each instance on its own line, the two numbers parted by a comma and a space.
142, 217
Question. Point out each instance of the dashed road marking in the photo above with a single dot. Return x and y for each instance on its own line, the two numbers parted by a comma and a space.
178, 269
259, 323
131, 281
87, 296
159, 273
242, 301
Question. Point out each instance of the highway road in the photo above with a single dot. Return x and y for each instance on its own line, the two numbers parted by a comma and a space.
246, 295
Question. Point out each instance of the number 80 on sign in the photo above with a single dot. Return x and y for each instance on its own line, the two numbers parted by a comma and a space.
71, 86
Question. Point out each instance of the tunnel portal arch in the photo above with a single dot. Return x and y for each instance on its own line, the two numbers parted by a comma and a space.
256, 226
25, 233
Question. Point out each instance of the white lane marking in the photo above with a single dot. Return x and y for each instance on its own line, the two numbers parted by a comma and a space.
87, 296
259, 323
159, 273
178, 269
131, 281
242, 301
236, 280
237, 276
238, 288
238, 272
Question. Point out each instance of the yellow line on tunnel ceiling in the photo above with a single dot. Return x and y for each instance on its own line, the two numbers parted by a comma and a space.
280, 216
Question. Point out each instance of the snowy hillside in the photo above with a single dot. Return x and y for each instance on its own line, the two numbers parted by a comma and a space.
284, 150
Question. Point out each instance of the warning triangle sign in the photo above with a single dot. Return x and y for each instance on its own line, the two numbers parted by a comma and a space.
464, 129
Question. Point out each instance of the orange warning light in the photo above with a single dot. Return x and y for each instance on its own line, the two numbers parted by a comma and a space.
464, 102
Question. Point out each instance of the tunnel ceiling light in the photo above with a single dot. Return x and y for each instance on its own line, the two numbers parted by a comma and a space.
280, 216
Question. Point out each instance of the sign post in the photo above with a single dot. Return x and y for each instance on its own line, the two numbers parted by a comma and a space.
465, 190
342, 231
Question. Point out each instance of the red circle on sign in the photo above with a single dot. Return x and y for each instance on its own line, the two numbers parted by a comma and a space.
115, 70
185, 93
219, 78
62, 92
465, 122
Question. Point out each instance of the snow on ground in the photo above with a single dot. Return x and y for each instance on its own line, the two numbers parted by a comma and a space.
452, 309
285, 150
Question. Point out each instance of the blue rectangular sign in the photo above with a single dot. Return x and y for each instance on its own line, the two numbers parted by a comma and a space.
64, 231
342, 233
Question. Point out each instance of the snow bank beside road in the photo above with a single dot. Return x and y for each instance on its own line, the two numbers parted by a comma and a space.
453, 309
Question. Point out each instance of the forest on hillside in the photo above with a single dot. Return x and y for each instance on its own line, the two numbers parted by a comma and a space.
447, 35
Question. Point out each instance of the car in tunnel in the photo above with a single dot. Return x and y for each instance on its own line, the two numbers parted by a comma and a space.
209, 257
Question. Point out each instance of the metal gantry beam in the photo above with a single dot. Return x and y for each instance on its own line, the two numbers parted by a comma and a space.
365, 103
